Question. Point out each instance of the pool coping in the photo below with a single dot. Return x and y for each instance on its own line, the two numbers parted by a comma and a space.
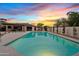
16, 39
68, 38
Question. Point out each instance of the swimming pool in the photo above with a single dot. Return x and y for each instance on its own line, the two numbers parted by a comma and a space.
44, 44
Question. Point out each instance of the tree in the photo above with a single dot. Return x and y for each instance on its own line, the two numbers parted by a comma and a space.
39, 25
45, 28
58, 23
2, 21
64, 24
61, 22
73, 18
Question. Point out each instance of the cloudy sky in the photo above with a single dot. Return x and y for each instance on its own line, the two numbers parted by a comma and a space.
35, 12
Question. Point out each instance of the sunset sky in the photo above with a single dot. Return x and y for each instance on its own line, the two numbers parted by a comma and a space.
33, 13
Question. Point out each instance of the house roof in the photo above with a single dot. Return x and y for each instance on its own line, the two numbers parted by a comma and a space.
21, 24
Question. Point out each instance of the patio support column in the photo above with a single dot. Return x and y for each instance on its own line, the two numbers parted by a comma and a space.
53, 29
36, 28
48, 29
22, 28
6, 28
32, 28
12, 27
42, 28
25, 28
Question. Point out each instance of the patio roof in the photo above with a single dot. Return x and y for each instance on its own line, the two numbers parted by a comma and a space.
21, 24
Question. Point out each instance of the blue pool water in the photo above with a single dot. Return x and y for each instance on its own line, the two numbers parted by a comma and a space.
44, 44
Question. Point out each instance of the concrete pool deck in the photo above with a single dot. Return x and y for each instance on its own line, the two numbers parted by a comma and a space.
7, 38
8, 51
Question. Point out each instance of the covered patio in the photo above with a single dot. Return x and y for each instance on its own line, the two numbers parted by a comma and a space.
17, 27
21, 27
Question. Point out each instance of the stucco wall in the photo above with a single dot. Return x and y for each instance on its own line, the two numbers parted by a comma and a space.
68, 31
77, 32
60, 30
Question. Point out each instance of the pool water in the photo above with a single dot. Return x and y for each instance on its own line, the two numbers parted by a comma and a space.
44, 44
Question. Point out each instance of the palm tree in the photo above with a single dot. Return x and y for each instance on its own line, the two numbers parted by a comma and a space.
61, 22
56, 25
45, 28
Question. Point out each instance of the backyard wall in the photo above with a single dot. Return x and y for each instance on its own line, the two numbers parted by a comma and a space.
77, 31
60, 30
69, 31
